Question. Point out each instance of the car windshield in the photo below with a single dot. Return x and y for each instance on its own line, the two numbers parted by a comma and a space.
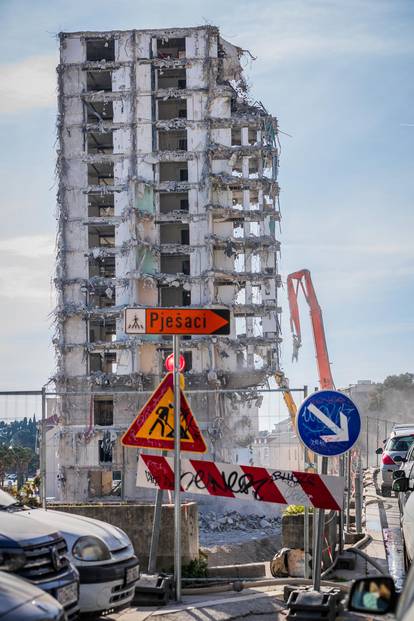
400, 443
6, 500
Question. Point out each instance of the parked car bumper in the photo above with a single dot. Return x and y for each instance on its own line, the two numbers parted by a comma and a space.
66, 590
106, 587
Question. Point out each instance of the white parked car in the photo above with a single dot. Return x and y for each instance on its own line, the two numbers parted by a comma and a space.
102, 553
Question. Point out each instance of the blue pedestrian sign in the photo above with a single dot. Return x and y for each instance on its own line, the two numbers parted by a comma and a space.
328, 423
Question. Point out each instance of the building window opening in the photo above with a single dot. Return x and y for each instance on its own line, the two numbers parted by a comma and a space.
183, 174
100, 205
172, 109
175, 234
99, 81
100, 49
172, 141
171, 78
100, 142
102, 267
173, 201
185, 236
105, 450
103, 412
102, 330
102, 236
101, 173
175, 264
171, 48
102, 297
236, 136
174, 296
173, 171
99, 111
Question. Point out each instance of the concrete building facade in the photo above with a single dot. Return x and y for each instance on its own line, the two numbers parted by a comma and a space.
167, 196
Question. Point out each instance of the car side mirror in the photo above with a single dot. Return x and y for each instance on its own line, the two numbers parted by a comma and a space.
398, 474
379, 451
375, 594
400, 485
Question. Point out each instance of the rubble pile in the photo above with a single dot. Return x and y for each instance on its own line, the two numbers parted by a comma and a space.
235, 521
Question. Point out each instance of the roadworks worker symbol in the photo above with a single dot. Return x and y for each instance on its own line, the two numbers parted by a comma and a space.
154, 425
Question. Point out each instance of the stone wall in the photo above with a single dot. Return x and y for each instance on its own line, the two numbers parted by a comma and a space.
136, 520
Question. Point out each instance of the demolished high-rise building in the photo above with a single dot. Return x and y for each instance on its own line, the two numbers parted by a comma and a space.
167, 196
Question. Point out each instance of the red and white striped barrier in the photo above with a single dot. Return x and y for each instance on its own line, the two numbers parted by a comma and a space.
246, 482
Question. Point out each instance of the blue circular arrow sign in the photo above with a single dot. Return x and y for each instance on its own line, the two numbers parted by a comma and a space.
328, 423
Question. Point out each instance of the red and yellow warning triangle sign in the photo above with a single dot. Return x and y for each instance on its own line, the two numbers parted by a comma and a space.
154, 425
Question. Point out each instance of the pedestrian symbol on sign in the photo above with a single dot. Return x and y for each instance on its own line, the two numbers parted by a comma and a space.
154, 426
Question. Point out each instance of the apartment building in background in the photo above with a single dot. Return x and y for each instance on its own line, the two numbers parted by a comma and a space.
167, 197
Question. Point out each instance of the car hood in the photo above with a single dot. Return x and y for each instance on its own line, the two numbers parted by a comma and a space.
75, 526
14, 526
14, 592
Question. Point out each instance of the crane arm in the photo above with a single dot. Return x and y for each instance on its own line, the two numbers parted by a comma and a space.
303, 280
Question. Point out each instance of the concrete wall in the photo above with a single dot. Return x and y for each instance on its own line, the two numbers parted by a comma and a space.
136, 521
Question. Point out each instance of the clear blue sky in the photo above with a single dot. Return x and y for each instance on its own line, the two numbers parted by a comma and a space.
338, 75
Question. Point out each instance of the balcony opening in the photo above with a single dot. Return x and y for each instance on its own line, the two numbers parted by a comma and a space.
172, 141
172, 109
101, 173
100, 205
103, 483
102, 267
102, 330
99, 111
175, 234
102, 297
100, 49
99, 81
171, 48
101, 236
173, 201
174, 296
103, 361
171, 78
173, 171
103, 411
175, 264
100, 142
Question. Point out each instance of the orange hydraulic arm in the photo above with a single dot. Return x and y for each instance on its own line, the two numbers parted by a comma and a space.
303, 280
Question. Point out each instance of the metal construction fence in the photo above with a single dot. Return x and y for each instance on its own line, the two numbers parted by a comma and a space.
253, 428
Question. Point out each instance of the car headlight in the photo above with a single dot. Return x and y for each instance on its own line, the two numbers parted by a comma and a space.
90, 549
12, 559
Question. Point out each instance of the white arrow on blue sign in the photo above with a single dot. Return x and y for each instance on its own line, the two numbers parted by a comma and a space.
328, 423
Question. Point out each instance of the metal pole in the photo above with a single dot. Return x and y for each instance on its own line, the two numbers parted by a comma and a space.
367, 439
358, 497
377, 456
306, 515
42, 452
177, 469
348, 493
317, 565
342, 511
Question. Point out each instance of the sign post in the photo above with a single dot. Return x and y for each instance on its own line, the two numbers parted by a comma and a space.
152, 427
177, 468
328, 423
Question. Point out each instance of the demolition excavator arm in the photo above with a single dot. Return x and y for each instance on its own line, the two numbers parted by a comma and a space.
303, 280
